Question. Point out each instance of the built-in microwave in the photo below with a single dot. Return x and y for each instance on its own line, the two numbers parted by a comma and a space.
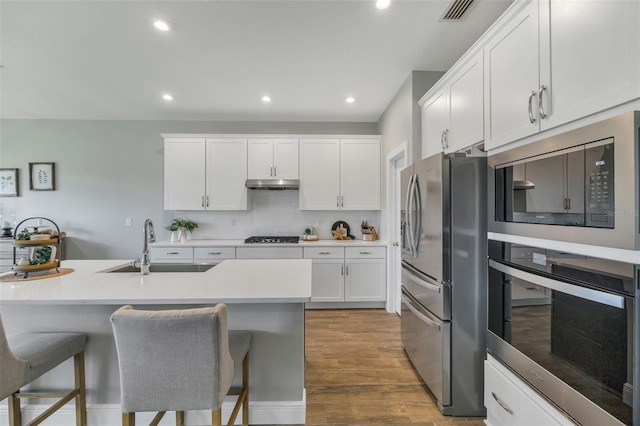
566, 324
580, 186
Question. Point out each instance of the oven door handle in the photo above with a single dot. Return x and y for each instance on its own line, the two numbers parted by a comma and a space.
574, 290
419, 314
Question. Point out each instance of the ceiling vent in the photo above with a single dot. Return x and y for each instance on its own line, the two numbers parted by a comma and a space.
457, 10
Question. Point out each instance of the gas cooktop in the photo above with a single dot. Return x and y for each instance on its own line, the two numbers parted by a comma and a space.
272, 240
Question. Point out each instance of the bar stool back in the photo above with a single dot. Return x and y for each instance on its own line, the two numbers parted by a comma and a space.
25, 357
179, 360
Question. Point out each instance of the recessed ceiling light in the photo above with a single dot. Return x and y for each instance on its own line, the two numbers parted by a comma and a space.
161, 25
167, 97
266, 99
383, 4
350, 100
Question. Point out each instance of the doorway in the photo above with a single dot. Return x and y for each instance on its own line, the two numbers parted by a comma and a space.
397, 160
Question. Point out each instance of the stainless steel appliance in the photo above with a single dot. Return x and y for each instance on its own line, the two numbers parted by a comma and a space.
444, 278
567, 325
581, 186
272, 240
272, 184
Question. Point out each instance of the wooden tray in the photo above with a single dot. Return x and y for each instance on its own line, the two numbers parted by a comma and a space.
42, 267
35, 242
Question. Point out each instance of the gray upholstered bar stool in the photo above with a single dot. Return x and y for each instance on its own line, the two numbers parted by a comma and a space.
179, 360
25, 357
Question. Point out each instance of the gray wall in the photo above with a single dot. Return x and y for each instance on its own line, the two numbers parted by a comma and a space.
402, 120
107, 171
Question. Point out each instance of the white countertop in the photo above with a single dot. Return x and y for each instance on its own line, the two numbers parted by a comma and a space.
301, 243
232, 281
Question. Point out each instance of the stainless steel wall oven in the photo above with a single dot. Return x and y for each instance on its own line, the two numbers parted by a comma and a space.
567, 325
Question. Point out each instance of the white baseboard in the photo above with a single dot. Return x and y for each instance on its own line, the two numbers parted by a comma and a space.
260, 413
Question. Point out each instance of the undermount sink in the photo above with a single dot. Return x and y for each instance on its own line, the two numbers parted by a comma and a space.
164, 267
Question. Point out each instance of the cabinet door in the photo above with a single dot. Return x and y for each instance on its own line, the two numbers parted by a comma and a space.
359, 174
327, 280
285, 158
226, 174
511, 62
466, 105
590, 52
435, 116
365, 280
184, 173
260, 159
319, 174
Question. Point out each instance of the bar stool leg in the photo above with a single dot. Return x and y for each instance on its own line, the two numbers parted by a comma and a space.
216, 417
81, 399
15, 414
128, 419
179, 418
245, 386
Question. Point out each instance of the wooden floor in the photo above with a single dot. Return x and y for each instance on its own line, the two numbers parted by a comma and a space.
356, 373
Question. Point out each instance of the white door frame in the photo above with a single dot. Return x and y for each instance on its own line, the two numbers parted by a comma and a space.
392, 223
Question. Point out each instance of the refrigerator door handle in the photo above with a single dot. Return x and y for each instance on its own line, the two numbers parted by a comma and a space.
418, 201
409, 205
419, 314
429, 286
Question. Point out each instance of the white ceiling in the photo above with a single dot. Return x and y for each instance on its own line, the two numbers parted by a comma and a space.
104, 60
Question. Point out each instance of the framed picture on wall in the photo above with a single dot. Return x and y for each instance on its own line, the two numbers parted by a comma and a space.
42, 176
9, 182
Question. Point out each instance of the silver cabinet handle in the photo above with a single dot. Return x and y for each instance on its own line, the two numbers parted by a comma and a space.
395, 244
271, 171
502, 404
324, 252
543, 114
338, 201
442, 140
171, 252
207, 200
275, 171
203, 201
215, 252
366, 252
341, 269
446, 138
342, 201
532, 119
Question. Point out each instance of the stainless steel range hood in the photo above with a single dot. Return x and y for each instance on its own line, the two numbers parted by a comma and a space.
272, 184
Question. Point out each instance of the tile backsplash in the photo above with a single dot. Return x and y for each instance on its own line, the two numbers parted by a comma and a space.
270, 213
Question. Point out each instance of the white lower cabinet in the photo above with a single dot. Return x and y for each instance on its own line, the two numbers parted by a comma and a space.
511, 402
269, 253
347, 274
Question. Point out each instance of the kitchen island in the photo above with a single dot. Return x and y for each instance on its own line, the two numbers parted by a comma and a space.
266, 297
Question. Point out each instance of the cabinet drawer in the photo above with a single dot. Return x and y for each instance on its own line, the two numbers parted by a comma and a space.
508, 404
269, 252
171, 254
323, 252
365, 252
205, 254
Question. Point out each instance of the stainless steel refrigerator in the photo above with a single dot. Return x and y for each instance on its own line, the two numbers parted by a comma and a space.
444, 278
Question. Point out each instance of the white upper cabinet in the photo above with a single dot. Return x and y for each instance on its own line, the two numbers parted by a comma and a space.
435, 118
554, 62
205, 173
511, 62
273, 158
226, 174
466, 105
184, 173
319, 174
359, 174
340, 174
590, 57
453, 113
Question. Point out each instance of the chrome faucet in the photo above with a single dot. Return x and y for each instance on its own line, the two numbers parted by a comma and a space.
149, 237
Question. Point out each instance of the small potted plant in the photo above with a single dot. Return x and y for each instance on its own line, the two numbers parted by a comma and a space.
174, 228
183, 226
